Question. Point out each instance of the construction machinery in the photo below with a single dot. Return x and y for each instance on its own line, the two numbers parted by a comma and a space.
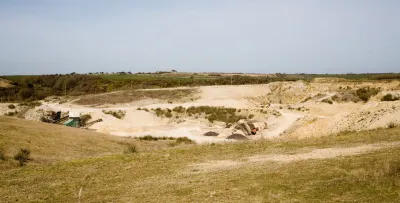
249, 127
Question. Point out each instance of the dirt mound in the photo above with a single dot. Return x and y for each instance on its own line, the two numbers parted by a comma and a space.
237, 137
5, 83
211, 134
366, 117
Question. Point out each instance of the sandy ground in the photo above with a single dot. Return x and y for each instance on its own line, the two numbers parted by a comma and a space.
303, 114
5, 83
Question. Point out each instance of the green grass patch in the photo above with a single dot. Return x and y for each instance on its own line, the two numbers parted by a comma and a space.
389, 97
117, 114
366, 92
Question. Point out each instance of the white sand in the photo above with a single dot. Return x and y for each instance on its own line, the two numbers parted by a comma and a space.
321, 118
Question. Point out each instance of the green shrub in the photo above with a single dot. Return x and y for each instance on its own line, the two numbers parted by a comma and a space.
348, 96
85, 118
131, 149
168, 114
160, 112
30, 104
391, 125
328, 101
179, 109
117, 114
11, 106
148, 138
389, 97
184, 140
22, 156
11, 113
366, 92
251, 116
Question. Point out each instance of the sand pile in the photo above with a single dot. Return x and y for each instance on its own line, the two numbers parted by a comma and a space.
141, 118
369, 116
33, 114
210, 133
5, 83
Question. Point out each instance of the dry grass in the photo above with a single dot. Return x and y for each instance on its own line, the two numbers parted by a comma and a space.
50, 142
162, 175
130, 96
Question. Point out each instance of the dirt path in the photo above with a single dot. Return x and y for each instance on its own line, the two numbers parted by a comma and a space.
325, 153
280, 125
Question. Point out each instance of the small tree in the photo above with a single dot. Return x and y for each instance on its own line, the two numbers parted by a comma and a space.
131, 149
85, 118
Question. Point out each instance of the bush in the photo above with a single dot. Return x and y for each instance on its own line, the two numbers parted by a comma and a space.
25, 93
328, 101
349, 96
391, 125
131, 149
85, 118
168, 114
11, 113
366, 92
148, 138
22, 156
184, 140
389, 97
31, 104
251, 116
117, 114
179, 109
11, 106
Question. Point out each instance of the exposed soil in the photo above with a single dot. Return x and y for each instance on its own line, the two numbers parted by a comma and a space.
292, 109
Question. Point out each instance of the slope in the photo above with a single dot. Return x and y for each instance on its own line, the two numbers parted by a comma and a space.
49, 142
175, 175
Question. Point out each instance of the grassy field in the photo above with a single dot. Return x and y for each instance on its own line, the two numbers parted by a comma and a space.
52, 143
66, 161
187, 76
135, 95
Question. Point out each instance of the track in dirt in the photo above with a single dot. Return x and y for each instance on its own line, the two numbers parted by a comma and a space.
325, 153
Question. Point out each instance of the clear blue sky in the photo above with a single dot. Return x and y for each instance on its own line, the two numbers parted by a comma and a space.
262, 36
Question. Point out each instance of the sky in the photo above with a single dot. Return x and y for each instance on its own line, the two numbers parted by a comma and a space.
250, 36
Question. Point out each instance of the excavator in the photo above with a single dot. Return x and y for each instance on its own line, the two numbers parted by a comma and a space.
247, 128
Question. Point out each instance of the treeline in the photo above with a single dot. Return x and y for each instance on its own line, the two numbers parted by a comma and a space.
29, 88
386, 77
193, 81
